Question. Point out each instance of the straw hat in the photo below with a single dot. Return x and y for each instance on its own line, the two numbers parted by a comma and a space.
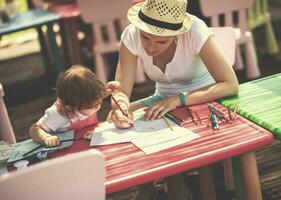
160, 17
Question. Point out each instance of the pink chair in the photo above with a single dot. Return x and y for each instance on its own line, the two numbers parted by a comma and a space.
216, 8
72, 177
6, 130
108, 19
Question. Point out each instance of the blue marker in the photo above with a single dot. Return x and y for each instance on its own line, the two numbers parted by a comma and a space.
214, 121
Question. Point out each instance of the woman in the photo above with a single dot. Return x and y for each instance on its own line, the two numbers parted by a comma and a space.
180, 54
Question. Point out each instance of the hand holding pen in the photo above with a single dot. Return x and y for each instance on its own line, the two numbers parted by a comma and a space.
120, 117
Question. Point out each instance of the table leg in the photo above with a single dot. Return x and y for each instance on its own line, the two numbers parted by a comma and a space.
70, 41
44, 50
228, 175
237, 177
250, 175
246, 178
207, 187
55, 52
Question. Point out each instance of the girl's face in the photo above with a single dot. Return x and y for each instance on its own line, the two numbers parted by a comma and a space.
96, 106
155, 45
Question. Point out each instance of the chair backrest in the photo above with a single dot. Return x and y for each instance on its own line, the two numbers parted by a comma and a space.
103, 14
73, 177
6, 131
225, 36
260, 7
216, 8
258, 13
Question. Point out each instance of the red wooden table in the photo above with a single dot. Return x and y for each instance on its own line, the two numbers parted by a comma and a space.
127, 166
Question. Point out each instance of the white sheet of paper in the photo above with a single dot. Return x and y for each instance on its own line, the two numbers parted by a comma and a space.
149, 136
164, 140
107, 133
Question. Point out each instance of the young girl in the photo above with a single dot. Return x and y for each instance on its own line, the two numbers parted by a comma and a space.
79, 96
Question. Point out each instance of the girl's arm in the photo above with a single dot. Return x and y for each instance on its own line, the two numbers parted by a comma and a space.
219, 68
38, 134
125, 74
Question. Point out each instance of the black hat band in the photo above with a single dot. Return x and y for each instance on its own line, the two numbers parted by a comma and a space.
158, 23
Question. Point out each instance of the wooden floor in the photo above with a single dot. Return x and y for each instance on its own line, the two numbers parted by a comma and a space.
28, 93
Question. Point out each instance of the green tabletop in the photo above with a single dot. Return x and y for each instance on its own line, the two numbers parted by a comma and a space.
260, 102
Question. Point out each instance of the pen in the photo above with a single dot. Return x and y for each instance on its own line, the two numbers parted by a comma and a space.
29, 152
119, 107
168, 123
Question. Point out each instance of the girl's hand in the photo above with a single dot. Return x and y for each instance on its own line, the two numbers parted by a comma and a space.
120, 120
51, 141
161, 108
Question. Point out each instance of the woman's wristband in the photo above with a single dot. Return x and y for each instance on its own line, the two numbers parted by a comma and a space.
182, 99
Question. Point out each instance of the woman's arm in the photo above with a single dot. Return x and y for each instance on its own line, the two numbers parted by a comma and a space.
223, 74
125, 74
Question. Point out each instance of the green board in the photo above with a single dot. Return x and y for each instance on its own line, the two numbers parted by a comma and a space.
260, 102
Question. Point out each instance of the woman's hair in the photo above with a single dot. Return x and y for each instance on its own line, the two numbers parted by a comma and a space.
78, 88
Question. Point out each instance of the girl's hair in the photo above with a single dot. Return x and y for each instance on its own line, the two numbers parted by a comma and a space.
78, 88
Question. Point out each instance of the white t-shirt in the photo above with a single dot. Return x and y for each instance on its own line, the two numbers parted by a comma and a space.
53, 121
186, 72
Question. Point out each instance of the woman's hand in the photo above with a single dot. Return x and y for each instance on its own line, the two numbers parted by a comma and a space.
120, 120
161, 108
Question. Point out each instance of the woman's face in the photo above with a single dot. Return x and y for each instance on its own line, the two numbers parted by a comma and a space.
155, 45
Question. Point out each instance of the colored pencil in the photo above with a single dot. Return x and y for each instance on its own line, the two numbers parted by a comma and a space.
119, 107
191, 115
168, 123
216, 109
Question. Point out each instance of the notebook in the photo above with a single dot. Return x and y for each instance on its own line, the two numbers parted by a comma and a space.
20, 148
178, 115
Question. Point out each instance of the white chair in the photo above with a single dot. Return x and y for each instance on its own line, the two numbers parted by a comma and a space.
108, 19
77, 176
6, 131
